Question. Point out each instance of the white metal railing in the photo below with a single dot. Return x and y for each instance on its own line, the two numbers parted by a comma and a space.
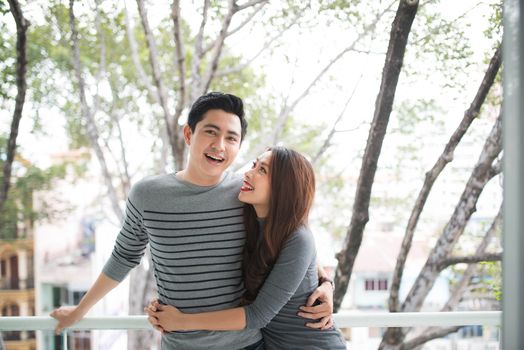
342, 319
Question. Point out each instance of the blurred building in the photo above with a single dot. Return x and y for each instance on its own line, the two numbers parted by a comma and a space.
17, 282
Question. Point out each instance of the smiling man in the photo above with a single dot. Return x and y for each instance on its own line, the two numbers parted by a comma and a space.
193, 223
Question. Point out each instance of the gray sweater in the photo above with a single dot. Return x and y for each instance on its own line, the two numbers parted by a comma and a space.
292, 280
196, 236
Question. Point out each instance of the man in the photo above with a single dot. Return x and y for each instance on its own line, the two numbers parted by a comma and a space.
192, 221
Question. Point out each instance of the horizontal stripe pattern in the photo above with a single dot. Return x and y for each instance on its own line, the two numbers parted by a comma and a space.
197, 256
196, 239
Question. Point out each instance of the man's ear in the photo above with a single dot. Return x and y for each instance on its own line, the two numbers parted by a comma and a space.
187, 134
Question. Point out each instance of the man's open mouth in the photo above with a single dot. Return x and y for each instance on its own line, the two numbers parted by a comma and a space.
214, 158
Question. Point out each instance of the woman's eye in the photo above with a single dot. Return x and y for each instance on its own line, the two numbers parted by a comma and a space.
263, 171
253, 165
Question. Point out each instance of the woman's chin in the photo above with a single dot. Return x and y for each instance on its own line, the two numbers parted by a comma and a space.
242, 197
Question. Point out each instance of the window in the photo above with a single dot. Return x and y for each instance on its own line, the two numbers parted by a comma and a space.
378, 284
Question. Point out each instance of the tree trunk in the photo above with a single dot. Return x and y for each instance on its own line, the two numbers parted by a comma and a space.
395, 55
458, 290
142, 288
436, 170
21, 86
92, 131
480, 176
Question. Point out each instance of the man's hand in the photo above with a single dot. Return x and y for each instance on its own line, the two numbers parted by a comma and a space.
66, 316
323, 296
164, 318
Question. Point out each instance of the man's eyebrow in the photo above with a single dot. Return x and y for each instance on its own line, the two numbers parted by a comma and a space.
216, 127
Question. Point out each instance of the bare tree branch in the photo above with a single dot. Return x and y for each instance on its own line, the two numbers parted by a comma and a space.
125, 177
21, 87
327, 141
92, 131
399, 34
157, 76
424, 338
248, 18
431, 176
479, 177
266, 46
180, 57
136, 61
462, 285
198, 54
180, 60
250, 4
466, 206
273, 136
458, 290
102, 63
487, 257
217, 48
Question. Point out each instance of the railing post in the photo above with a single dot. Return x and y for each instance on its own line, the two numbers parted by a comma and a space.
64, 340
513, 239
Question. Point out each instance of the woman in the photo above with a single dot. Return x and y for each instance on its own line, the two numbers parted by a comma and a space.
279, 261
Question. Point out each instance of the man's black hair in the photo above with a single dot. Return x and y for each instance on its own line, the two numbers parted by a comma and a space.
217, 100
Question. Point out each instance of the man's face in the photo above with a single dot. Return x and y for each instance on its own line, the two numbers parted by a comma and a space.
213, 146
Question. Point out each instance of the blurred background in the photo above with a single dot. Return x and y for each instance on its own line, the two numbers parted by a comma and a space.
396, 103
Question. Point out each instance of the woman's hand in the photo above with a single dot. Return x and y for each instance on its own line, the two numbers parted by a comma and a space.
164, 318
66, 317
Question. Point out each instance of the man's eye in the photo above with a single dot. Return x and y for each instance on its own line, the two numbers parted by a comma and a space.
233, 139
211, 132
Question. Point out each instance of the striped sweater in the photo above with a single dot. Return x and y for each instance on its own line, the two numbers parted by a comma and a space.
196, 236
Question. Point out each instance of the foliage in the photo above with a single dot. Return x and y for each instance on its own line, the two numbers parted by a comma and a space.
19, 214
493, 278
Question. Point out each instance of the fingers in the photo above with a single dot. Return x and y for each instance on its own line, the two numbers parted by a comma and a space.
150, 312
322, 324
315, 312
56, 313
156, 325
328, 325
153, 320
313, 297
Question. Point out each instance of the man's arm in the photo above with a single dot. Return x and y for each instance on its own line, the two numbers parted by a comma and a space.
69, 315
324, 309
169, 318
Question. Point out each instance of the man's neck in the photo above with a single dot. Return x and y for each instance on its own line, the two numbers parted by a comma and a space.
195, 179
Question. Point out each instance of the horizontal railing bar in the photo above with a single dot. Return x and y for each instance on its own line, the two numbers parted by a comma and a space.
342, 319
415, 319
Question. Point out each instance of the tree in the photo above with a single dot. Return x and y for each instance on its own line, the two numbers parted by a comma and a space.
21, 66
441, 254
399, 38
431, 177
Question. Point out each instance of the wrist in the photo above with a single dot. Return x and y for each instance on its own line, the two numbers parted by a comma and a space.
322, 280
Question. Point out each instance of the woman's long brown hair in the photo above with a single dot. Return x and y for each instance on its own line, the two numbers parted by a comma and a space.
292, 184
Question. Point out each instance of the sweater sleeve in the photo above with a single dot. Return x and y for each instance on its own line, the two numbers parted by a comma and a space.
130, 243
284, 279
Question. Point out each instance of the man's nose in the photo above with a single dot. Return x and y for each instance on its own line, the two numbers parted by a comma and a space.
219, 143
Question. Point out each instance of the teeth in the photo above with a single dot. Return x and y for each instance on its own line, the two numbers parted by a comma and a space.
215, 158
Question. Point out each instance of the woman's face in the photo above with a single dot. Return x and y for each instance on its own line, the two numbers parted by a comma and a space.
256, 187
